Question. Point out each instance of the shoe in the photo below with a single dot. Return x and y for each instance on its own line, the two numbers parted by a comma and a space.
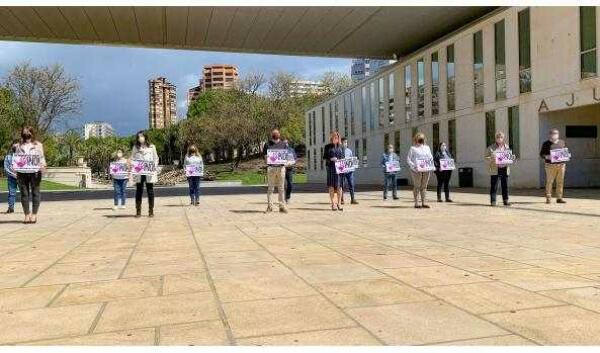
417, 206
288, 201
561, 201
138, 213
115, 207
197, 203
506, 203
449, 200
385, 199
151, 213
269, 209
396, 198
122, 207
440, 200
283, 210
191, 203
333, 208
426, 206
493, 203
342, 202
340, 208
548, 201
10, 210
354, 202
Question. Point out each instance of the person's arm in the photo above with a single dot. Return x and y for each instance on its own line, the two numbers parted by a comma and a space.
155, 155
42, 157
410, 159
488, 154
382, 163
545, 151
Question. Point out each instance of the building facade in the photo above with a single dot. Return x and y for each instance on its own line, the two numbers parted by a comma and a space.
221, 76
163, 103
520, 70
98, 129
363, 68
302, 87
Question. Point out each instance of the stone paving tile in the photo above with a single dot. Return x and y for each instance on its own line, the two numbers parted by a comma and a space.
537, 279
252, 288
483, 263
28, 297
104, 291
80, 272
441, 252
325, 258
185, 283
394, 260
163, 268
285, 315
205, 333
519, 253
507, 340
586, 297
433, 276
564, 325
15, 274
355, 336
140, 337
422, 323
248, 270
228, 257
336, 273
568, 264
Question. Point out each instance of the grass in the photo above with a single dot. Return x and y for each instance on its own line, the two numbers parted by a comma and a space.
46, 185
247, 177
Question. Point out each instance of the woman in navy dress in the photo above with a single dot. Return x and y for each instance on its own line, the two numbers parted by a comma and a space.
332, 152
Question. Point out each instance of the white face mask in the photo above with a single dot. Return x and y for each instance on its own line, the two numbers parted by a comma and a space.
390, 150
443, 148
119, 155
142, 139
554, 137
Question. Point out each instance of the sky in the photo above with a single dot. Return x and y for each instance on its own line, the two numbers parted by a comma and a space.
114, 80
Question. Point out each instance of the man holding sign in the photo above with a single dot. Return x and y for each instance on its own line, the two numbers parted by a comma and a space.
348, 177
276, 152
499, 157
391, 166
555, 154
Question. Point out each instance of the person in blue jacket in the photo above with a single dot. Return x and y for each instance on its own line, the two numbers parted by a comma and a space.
389, 179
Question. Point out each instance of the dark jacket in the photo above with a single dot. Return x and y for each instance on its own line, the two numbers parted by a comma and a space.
439, 155
549, 145
328, 153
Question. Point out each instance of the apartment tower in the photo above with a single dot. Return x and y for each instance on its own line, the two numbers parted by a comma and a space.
163, 103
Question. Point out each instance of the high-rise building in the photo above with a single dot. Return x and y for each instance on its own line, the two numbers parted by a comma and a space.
98, 129
365, 68
163, 103
193, 93
220, 76
302, 87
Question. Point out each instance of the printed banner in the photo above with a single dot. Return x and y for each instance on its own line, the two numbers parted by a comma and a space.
447, 164
503, 158
346, 165
425, 165
26, 163
119, 170
392, 166
560, 155
141, 167
277, 157
195, 169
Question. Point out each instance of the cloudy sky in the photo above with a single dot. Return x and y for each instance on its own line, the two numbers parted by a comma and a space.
114, 80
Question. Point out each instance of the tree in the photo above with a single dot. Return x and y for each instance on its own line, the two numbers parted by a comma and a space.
280, 85
45, 95
252, 82
71, 141
335, 82
10, 119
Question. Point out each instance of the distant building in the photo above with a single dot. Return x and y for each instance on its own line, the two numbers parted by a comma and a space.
98, 129
193, 93
163, 103
365, 68
302, 87
222, 76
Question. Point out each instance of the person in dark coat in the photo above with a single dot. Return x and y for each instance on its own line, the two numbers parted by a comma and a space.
443, 176
331, 153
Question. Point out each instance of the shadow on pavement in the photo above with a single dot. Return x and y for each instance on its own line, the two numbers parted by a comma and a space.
11, 222
119, 216
246, 211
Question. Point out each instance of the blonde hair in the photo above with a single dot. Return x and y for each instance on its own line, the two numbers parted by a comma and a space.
419, 135
334, 134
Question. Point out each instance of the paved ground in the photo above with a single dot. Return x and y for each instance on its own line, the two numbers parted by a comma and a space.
377, 273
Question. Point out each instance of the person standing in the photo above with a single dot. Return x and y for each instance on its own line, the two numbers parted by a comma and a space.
554, 171
348, 178
119, 184
498, 172
276, 173
11, 177
389, 178
193, 157
443, 176
29, 182
146, 151
289, 172
332, 152
419, 151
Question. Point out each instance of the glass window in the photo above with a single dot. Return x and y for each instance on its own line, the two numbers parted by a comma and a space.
380, 106
490, 127
435, 83
524, 52
500, 59
478, 66
364, 152
420, 88
391, 95
407, 92
315, 159
513, 130
314, 117
364, 109
436, 136
373, 110
386, 141
308, 157
357, 148
587, 36
397, 142
323, 123
450, 77
346, 115
452, 137
330, 117
352, 100
322, 160
336, 116
309, 128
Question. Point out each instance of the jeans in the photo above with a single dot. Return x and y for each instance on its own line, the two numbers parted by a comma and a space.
29, 185
139, 190
119, 186
389, 181
443, 180
289, 181
503, 176
12, 192
194, 183
348, 178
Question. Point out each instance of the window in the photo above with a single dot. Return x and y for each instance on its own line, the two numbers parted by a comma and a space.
310, 128
336, 116
450, 77
407, 93
587, 41
381, 106
315, 159
524, 52
513, 130
314, 120
500, 59
435, 83
357, 148
330, 118
391, 95
397, 142
436, 136
452, 137
364, 109
490, 127
323, 123
308, 157
345, 115
364, 152
581, 131
478, 66
352, 100
420, 88
373, 110
386, 141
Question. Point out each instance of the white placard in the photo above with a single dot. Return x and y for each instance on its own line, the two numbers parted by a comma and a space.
26, 162
447, 164
346, 165
277, 157
119, 170
504, 158
194, 169
425, 165
392, 166
141, 167
560, 155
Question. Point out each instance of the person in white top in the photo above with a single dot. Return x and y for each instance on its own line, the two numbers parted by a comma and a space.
193, 157
144, 150
419, 152
119, 183
30, 180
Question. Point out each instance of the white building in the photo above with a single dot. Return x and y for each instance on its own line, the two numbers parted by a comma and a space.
364, 68
302, 87
98, 129
519, 70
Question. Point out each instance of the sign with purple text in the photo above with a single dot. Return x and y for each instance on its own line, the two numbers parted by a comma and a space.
346, 165
560, 155
119, 170
425, 165
392, 166
141, 167
447, 164
26, 163
504, 158
194, 169
277, 157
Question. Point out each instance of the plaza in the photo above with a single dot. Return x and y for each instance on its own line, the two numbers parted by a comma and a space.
378, 273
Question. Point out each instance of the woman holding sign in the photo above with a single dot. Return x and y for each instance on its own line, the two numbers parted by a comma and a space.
444, 164
194, 167
144, 161
421, 164
499, 157
120, 173
332, 152
28, 163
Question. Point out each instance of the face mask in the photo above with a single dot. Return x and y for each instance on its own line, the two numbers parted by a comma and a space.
26, 136
499, 141
554, 137
119, 155
390, 150
345, 144
443, 148
275, 137
420, 141
141, 139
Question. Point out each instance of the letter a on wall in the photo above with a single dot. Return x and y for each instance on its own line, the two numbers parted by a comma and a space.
543, 106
